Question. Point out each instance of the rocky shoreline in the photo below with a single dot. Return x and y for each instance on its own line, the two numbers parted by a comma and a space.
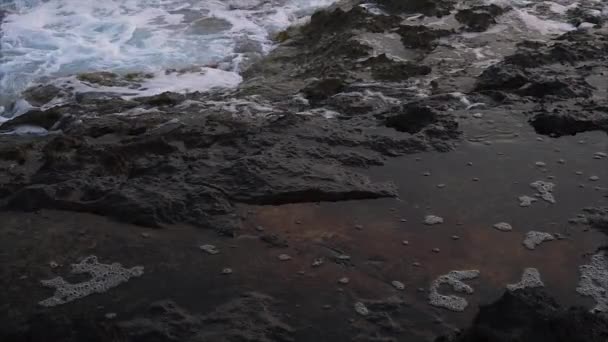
320, 119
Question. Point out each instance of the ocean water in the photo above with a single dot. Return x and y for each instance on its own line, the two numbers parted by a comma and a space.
58, 38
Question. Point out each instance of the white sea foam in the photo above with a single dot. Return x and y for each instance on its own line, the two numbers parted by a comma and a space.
543, 26
56, 38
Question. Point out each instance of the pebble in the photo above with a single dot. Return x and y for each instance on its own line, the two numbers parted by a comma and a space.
436, 250
478, 115
426, 174
227, 270
487, 143
298, 222
398, 285
455, 237
581, 186
540, 164
211, 249
53, 264
440, 186
284, 257
326, 307
145, 235
579, 173
540, 139
550, 177
475, 179
403, 220
470, 164
344, 280
259, 228
421, 289
359, 227
594, 178
405, 242
317, 262
416, 264
561, 161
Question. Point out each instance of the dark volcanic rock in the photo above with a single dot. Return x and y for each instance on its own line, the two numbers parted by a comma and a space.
436, 8
412, 120
479, 18
45, 119
387, 69
164, 99
530, 315
420, 36
248, 318
594, 217
174, 158
566, 120
322, 89
40, 95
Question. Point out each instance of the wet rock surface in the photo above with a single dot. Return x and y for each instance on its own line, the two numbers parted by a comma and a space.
531, 315
248, 318
331, 115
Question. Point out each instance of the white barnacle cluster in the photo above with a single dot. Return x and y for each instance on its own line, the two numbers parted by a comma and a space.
544, 190
529, 279
103, 278
594, 281
455, 280
534, 238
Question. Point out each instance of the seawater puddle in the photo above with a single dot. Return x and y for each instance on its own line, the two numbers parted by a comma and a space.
56, 38
472, 189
